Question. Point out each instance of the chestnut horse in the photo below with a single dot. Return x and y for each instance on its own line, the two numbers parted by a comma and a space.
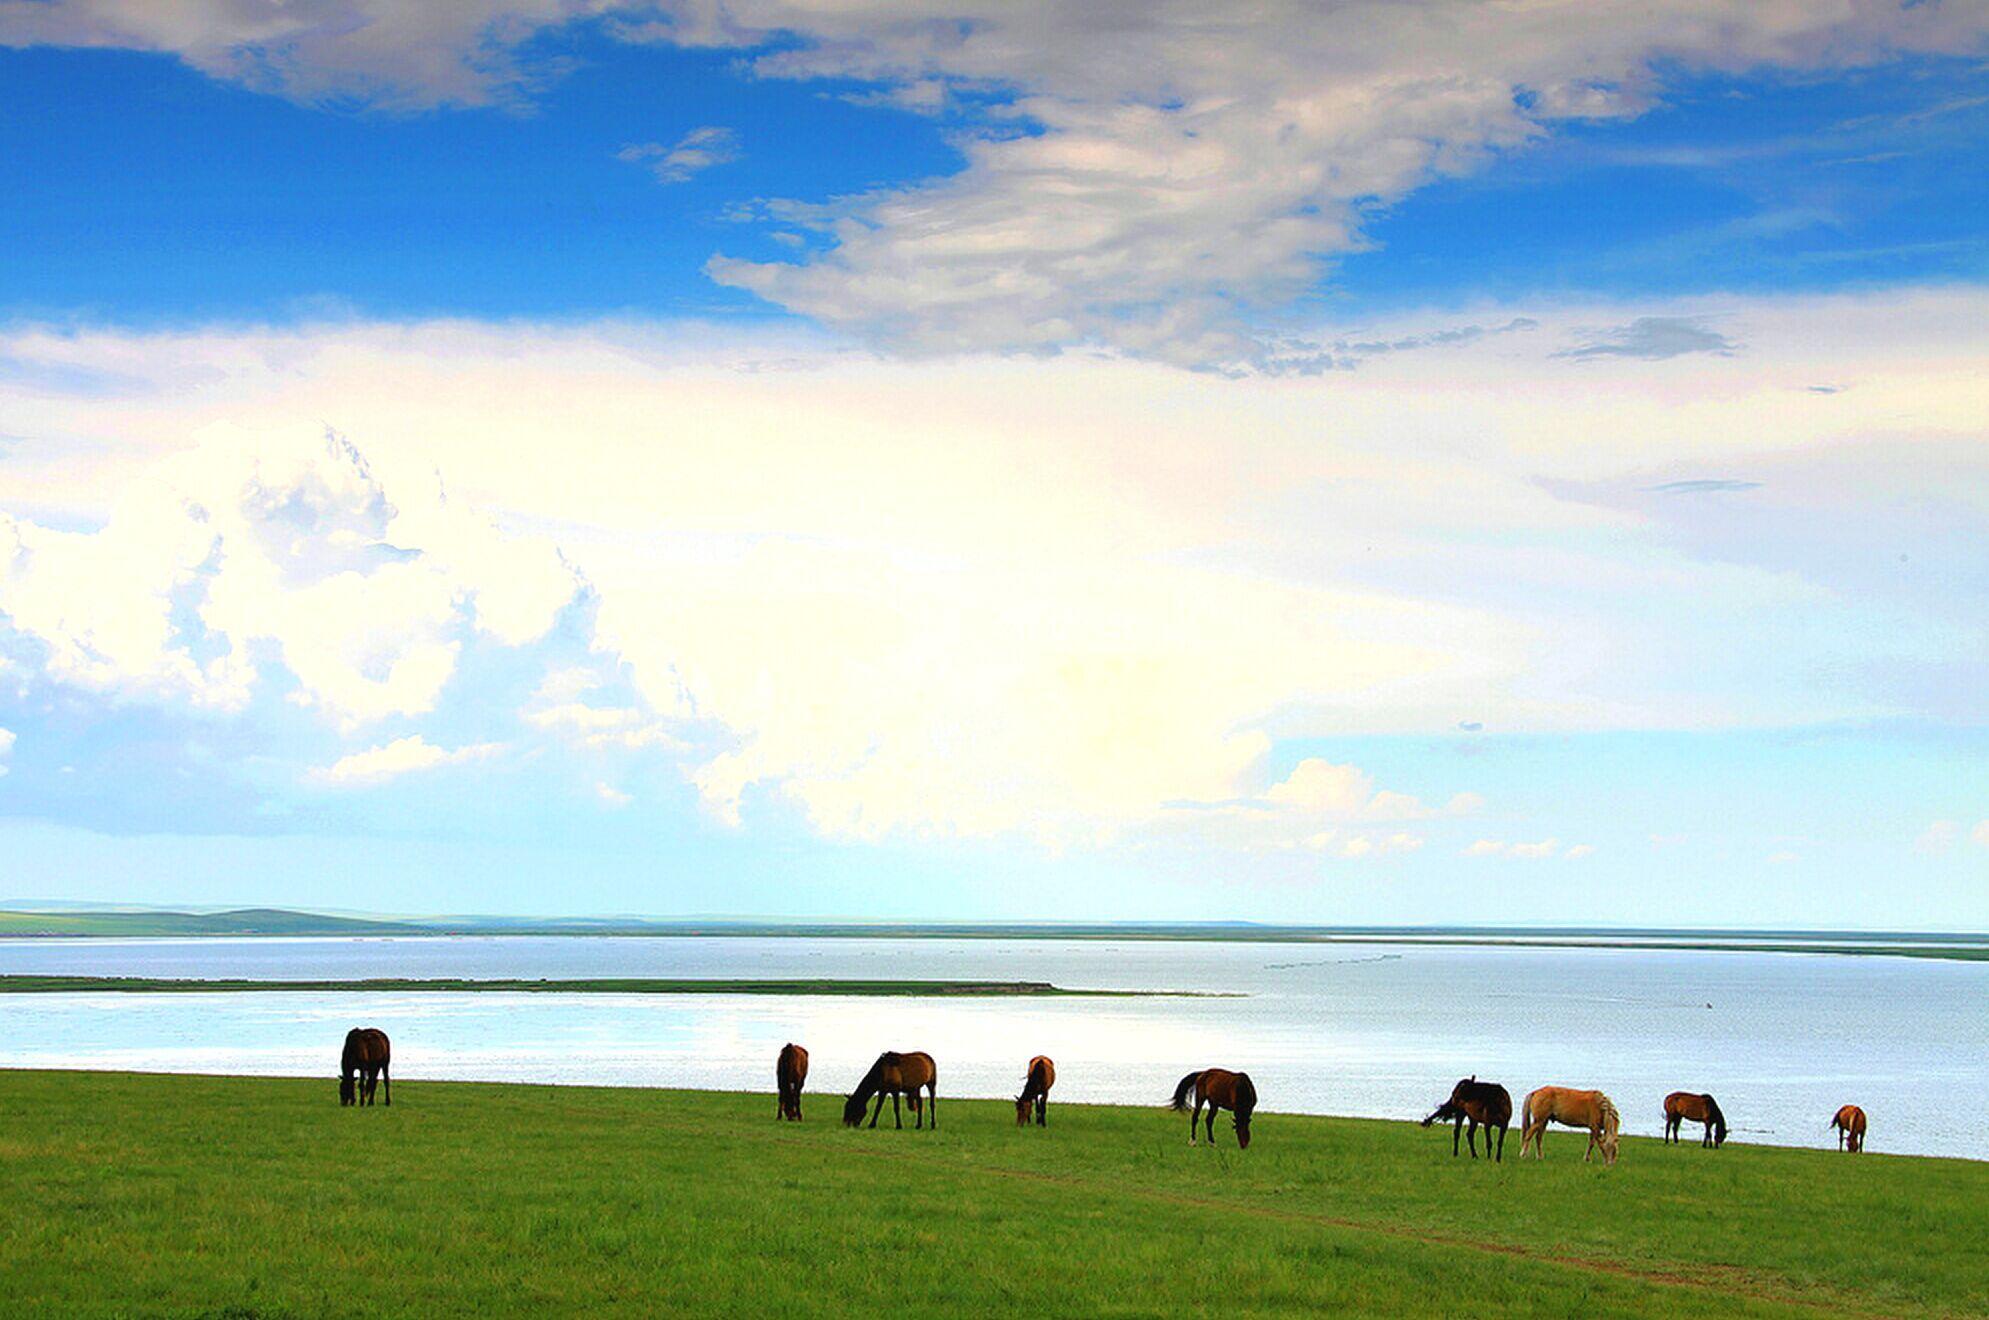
895, 1075
790, 1071
366, 1054
1680, 1106
1218, 1088
1850, 1125
1571, 1108
1481, 1104
1036, 1092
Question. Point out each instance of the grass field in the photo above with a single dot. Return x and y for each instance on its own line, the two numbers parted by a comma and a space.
146, 1195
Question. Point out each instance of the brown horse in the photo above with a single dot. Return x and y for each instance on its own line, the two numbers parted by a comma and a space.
366, 1055
895, 1075
1036, 1092
1683, 1106
790, 1071
1481, 1104
1218, 1088
1850, 1125
1571, 1108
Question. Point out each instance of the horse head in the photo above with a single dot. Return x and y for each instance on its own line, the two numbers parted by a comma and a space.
1024, 1107
853, 1109
348, 1092
1243, 1132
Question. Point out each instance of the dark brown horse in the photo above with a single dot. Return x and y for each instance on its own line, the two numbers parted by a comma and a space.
1036, 1092
366, 1057
1218, 1088
790, 1071
1683, 1106
1850, 1125
1481, 1104
895, 1075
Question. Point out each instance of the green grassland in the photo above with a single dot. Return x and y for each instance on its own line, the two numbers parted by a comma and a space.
31, 984
148, 1195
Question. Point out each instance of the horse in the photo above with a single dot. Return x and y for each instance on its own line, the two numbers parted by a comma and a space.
1218, 1088
895, 1075
790, 1071
1682, 1105
1036, 1092
366, 1054
1481, 1104
1581, 1109
1850, 1125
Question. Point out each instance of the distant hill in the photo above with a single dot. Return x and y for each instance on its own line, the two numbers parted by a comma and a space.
241, 921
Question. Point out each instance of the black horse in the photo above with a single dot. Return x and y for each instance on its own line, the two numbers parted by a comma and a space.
1481, 1104
363, 1066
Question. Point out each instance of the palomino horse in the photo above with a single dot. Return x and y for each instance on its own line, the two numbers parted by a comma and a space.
1579, 1109
1680, 1106
790, 1071
895, 1075
1481, 1104
367, 1055
1850, 1125
1036, 1092
1218, 1088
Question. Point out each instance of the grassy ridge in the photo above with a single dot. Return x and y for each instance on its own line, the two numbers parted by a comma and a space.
212, 1196
38, 984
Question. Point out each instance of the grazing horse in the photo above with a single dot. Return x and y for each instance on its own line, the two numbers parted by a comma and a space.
1580, 1109
790, 1071
1481, 1104
1036, 1092
1850, 1125
366, 1054
1680, 1106
1218, 1088
895, 1075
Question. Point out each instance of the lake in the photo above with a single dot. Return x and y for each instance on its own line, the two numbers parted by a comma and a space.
1381, 1030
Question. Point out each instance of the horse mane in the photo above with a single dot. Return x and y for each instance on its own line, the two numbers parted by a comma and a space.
1246, 1097
1713, 1112
1611, 1120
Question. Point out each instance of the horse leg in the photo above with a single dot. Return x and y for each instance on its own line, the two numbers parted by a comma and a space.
1042, 1111
1500, 1158
879, 1112
932, 1100
1194, 1120
386, 1080
1471, 1141
897, 1115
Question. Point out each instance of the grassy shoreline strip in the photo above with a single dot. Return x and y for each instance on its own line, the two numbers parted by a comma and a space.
36, 984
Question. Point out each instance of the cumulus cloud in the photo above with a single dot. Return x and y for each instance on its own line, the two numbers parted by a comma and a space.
403, 756
856, 596
693, 153
6, 748
1310, 808
1150, 175
612, 796
280, 544
1980, 833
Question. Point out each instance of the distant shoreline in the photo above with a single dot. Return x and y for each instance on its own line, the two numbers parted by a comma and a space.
282, 923
30, 984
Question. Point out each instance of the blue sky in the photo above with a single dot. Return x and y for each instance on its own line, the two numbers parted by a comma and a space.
943, 461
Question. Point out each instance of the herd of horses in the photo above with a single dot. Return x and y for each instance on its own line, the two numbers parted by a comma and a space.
913, 1078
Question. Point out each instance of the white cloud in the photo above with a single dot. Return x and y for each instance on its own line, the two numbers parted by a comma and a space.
611, 795
1151, 173
400, 757
6, 747
988, 597
1536, 851
284, 539
693, 153
1783, 858
1980, 833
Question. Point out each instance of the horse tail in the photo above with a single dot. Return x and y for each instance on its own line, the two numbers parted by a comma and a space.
1181, 1091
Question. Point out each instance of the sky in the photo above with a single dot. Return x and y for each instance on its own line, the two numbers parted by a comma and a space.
1350, 463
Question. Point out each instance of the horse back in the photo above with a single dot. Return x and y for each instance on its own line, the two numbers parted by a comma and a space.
792, 1066
1042, 1075
366, 1047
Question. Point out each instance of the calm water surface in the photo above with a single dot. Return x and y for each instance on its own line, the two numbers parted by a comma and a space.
1380, 1030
